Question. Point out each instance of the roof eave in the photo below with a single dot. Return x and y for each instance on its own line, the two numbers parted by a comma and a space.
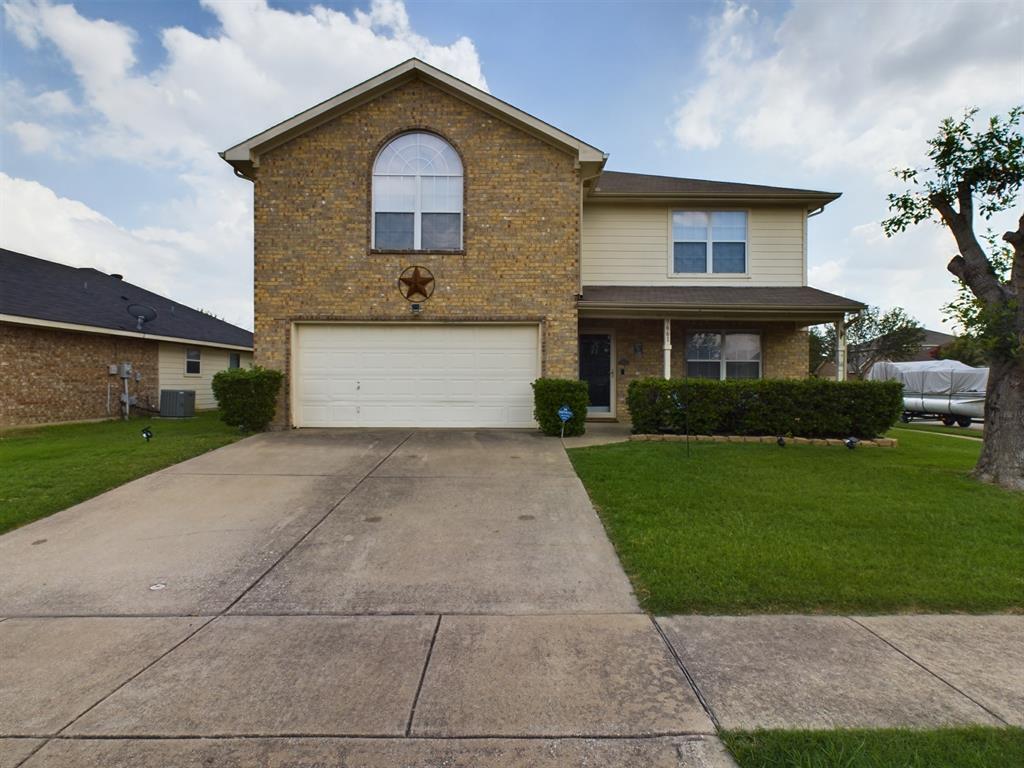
244, 156
107, 331
803, 315
813, 200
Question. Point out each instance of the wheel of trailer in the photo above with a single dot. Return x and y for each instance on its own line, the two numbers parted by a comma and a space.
949, 420
905, 417
964, 421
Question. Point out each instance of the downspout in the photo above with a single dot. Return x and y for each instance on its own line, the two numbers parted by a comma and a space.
579, 255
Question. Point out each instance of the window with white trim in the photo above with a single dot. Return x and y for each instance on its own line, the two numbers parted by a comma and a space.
193, 360
709, 242
714, 355
417, 195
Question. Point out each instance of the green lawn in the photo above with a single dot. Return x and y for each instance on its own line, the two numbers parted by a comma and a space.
47, 469
750, 528
943, 748
899, 428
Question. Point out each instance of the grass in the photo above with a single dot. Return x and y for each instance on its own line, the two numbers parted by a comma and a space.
47, 469
751, 528
942, 748
936, 428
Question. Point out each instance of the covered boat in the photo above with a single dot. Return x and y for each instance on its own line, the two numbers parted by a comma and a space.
947, 388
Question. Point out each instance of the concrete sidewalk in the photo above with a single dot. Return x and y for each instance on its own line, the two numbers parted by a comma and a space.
818, 672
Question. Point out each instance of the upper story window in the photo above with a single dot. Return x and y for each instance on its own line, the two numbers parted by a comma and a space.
417, 195
709, 242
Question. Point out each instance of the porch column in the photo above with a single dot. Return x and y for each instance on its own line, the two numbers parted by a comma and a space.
841, 348
667, 347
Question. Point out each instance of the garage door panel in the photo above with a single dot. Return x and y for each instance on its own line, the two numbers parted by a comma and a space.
424, 375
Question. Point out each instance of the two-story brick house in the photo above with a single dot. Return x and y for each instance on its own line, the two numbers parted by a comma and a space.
423, 251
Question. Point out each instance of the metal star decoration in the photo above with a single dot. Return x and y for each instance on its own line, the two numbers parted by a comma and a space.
416, 281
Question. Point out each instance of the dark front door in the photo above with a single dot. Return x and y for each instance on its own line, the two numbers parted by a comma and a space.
596, 370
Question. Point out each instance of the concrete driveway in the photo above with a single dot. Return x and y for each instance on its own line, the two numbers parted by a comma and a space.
356, 598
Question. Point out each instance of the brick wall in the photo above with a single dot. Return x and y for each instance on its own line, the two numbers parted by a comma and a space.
784, 349
50, 375
312, 229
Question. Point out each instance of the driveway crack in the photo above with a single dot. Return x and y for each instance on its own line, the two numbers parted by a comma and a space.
423, 676
316, 525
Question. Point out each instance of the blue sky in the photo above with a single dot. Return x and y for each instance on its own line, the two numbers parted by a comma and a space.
113, 113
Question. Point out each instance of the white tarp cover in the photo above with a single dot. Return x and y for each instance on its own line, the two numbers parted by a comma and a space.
937, 386
932, 377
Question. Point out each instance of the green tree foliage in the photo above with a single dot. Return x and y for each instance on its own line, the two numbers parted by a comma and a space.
978, 170
875, 335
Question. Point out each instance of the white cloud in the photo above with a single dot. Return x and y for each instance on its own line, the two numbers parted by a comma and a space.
54, 103
36, 221
850, 85
33, 137
259, 66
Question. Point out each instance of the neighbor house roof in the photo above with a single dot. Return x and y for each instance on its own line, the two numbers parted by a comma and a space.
245, 155
54, 294
641, 186
936, 338
796, 302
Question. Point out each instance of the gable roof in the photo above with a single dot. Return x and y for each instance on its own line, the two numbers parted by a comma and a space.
82, 296
936, 338
245, 155
619, 185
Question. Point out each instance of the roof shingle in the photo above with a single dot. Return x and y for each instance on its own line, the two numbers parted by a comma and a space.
618, 183
686, 296
45, 290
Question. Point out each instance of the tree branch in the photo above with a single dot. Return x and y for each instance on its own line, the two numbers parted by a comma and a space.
972, 265
1016, 239
965, 197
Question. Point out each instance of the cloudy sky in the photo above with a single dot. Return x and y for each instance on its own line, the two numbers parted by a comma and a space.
113, 113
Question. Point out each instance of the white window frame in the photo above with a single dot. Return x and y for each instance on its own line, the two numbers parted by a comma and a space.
417, 211
198, 360
723, 360
710, 263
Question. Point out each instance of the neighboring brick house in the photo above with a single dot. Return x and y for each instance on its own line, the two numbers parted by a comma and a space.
62, 329
423, 251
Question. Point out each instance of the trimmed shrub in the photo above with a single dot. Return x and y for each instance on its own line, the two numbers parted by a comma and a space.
551, 394
247, 397
801, 408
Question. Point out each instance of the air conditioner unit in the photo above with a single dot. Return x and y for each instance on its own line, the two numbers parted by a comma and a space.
177, 403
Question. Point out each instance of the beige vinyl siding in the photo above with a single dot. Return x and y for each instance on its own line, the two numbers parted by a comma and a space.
630, 245
213, 359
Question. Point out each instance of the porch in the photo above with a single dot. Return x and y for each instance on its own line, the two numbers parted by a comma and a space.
634, 332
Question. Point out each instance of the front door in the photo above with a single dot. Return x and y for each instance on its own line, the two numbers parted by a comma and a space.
596, 370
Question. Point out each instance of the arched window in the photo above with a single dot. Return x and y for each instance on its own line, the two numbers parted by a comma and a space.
417, 195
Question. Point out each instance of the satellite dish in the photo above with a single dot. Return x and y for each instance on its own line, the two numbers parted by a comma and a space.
143, 313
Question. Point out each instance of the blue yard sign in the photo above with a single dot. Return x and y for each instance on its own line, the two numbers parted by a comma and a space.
564, 413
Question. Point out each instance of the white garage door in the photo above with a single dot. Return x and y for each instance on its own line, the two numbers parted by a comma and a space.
380, 375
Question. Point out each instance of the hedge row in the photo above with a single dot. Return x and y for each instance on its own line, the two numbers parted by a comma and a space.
551, 394
801, 408
247, 397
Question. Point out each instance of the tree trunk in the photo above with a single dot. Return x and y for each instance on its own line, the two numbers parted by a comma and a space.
1002, 454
